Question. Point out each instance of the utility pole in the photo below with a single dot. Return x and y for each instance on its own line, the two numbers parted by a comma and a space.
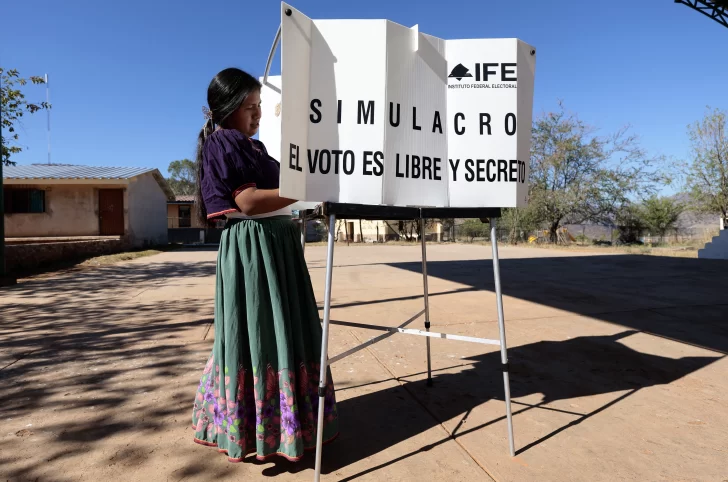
48, 111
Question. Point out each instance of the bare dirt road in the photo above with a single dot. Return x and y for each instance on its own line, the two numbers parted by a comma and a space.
618, 370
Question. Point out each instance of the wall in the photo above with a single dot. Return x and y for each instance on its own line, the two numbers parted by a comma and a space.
717, 248
196, 233
370, 229
22, 258
186, 236
147, 208
173, 216
71, 210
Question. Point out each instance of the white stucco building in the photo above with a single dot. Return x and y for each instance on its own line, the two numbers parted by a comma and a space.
56, 201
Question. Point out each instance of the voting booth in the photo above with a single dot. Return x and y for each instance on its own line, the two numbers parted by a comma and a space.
375, 120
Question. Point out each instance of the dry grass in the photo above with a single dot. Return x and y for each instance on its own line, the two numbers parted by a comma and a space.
686, 250
388, 243
89, 263
118, 257
678, 251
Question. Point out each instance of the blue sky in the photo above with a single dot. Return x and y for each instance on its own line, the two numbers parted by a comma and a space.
128, 79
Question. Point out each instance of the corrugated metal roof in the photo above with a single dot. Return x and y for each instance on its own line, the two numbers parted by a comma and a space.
185, 198
63, 171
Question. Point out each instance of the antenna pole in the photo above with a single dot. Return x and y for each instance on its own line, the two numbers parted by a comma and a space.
48, 111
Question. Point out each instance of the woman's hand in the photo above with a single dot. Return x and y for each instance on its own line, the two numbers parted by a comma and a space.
252, 201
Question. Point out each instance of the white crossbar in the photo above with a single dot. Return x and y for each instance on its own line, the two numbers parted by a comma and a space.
370, 342
400, 329
445, 336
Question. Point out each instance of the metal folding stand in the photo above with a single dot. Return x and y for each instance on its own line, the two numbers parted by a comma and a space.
302, 215
350, 211
392, 213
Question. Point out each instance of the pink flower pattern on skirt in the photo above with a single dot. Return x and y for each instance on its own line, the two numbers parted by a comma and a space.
270, 412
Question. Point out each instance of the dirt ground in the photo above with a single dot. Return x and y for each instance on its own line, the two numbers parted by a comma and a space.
618, 369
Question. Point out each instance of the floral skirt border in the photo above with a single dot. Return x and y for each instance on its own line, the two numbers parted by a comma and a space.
261, 457
269, 413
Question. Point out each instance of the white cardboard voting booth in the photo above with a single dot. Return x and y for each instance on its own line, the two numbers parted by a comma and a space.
374, 120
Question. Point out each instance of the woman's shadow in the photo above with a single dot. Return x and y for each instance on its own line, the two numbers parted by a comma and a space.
558, 370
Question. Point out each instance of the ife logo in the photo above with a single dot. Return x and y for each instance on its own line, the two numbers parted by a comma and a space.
459, 72
486, 71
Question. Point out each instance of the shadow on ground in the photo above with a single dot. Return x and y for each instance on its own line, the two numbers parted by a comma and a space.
84, 358
560, 370
682, 299
78, 283
89, 347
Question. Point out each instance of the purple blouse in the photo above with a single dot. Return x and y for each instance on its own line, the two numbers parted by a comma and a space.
231, 163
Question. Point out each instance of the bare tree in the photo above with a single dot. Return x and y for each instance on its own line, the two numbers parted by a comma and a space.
707, 173
577, 176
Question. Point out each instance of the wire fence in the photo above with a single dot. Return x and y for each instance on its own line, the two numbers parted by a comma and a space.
189, 222
576, 234
474, 231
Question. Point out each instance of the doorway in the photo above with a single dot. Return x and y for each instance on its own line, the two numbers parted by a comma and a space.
111, 212
185, 216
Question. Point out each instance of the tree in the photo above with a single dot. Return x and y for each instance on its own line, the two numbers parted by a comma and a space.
182, 177
577, 176
519, 221
659, 214
629, 224
14, 106
448, 225
473, 228
405, 229
707, 173
429, 224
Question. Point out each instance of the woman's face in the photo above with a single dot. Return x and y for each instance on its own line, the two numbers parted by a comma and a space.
246, 118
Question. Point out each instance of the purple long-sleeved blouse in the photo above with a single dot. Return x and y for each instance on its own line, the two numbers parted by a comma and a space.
231, 163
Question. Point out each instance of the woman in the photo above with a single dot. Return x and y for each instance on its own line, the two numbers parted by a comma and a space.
259, 390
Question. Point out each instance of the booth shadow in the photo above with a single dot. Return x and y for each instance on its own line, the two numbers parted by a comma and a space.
682, 299
375, 422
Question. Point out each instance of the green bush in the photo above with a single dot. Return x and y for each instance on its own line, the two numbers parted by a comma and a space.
473, 228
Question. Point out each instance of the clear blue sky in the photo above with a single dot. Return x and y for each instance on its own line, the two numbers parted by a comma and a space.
128, 78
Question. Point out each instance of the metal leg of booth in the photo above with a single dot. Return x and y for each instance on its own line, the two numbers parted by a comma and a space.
325, 345
427, 299
502, 330
303, 230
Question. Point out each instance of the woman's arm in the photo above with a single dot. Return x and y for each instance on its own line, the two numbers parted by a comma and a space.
252, 201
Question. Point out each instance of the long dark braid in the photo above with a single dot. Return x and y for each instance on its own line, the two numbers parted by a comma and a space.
225, 94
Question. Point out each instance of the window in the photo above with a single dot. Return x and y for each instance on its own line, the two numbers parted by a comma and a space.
19, 201
185, 216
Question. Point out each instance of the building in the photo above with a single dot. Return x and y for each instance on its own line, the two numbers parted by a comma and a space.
382, 231
62, 201
184, 226
182, 213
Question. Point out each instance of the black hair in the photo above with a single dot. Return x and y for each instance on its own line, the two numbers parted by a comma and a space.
226, 92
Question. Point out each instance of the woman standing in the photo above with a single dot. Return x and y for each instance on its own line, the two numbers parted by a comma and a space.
259, 390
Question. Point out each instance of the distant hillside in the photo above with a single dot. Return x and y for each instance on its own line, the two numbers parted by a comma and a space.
699, 221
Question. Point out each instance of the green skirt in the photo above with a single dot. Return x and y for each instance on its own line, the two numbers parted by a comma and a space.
259, 390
